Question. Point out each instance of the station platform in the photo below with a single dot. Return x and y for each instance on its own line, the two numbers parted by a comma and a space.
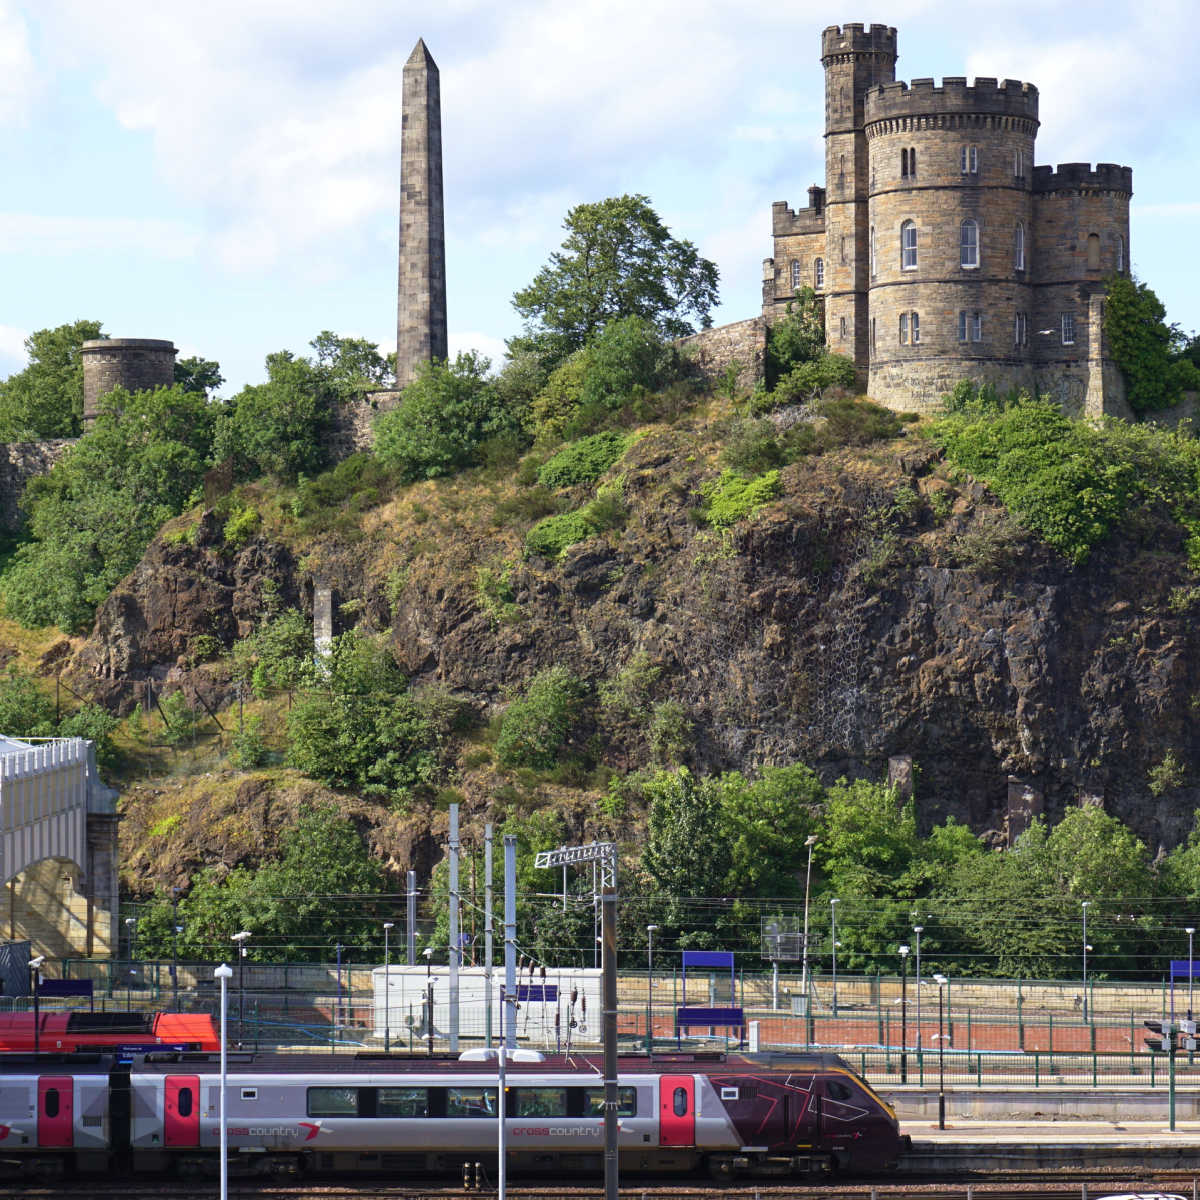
989, 1146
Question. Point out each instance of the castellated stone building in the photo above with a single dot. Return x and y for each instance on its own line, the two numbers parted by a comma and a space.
939, 250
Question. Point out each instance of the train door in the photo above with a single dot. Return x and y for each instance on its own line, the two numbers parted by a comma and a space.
181, 1110
56, 1110
676, 1110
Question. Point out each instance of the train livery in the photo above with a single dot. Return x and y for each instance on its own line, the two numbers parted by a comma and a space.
293, 1115
124, 1032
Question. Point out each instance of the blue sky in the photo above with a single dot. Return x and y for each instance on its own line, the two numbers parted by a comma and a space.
226, 175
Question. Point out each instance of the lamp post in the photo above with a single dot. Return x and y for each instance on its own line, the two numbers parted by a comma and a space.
903, 1014
224, 973
650, 931
175, 948
35, 982
428, 952
1085, 950
918, 930
241, 939
388, 926
810, 842
940, 980
833, 938
131, 933
1190, 930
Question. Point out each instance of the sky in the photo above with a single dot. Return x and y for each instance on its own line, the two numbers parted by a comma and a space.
226, 174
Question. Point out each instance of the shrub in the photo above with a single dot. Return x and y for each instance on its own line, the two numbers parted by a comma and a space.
627, 694
535, 726
733, 496
248, 749
582, 461
559, 398
670, 734
551, 536
806, 381
798, 338
527, 505
851, 422
629, 354
752, 447
241, 527
1141, 342
179, 717
442, 417
358, 482
97, 725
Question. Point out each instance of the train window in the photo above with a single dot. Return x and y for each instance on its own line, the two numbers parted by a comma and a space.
402, 1102
185, 1102
838, 1090
332, 1102
540, 1102
626, 1102
679, 1102
470, 1102
52, 1102
728, 1093
249, 1093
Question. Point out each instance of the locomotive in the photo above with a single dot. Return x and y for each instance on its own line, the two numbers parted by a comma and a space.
121, 1032
397, 1115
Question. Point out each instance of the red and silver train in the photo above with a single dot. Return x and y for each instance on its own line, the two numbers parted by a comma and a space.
400, 1116
123, 1032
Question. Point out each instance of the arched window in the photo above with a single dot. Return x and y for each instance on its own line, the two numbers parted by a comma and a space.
903, 164
1019, 247
795, 274
819, 273
968, 243
912, 162
872, 249
908, 246
1120, 253
1093, 252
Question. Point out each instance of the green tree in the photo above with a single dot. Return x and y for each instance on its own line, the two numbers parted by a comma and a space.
442, 418
93, 515
45, 400
352, 365
536, 725
870, 842
25, 709
1145, 347
198, 375
617, 260
798, 337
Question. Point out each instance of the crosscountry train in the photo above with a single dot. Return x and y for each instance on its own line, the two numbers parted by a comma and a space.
401, 1116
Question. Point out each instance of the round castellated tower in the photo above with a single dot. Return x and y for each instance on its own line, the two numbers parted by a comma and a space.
135, 364
951, 238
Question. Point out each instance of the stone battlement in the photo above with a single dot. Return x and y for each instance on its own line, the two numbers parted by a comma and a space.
785, 220
1067, 177
854, 38
922, 97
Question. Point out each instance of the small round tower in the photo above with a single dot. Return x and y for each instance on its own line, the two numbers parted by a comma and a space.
950, 238
135, 364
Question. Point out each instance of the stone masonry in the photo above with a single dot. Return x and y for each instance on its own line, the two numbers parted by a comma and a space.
939, 250
135, 364
713, 350
19, 463
421, 309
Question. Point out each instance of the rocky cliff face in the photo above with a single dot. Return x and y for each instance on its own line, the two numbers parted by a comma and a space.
875, 610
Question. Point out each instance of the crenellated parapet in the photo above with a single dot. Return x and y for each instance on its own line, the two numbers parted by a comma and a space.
787, 222
923, 99
1082, 177
855, 38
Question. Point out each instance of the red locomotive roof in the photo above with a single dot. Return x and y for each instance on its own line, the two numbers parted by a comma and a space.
67, 1031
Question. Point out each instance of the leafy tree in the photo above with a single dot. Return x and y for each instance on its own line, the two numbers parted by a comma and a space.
25, 709
628, 354
1145, 347
45, 400
93, 515
198, 375
536, 725
797, 337
286, 903
442, 418
617, 260
278, 655
352, 365
277, 427
870, 842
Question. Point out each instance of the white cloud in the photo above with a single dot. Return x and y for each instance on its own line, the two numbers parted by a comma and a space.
29, 233
487, 345
16, 66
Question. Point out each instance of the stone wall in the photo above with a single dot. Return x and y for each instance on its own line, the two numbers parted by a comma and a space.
19, 463
135, 364
712, 350
351, 429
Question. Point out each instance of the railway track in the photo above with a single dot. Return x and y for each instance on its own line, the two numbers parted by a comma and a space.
1047, 1186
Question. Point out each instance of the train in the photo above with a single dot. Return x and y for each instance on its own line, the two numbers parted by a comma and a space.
402, 1116
66, 1032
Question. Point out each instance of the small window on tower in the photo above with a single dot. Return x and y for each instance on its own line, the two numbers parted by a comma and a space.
904, 329
912, 162
1068, 329
842, 328
1018, 164
962, 324
1019, 247
970, 160
908, 246
977, 327
795, 274
872, 249
1020, 330
1093, 252
1120, 253
843, 248
969, 243
872, 335
916, 328
904, 164
819, 274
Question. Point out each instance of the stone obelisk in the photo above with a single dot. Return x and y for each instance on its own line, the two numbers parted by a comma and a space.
421, 319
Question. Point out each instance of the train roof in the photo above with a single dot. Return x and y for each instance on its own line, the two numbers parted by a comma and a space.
243, 1062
